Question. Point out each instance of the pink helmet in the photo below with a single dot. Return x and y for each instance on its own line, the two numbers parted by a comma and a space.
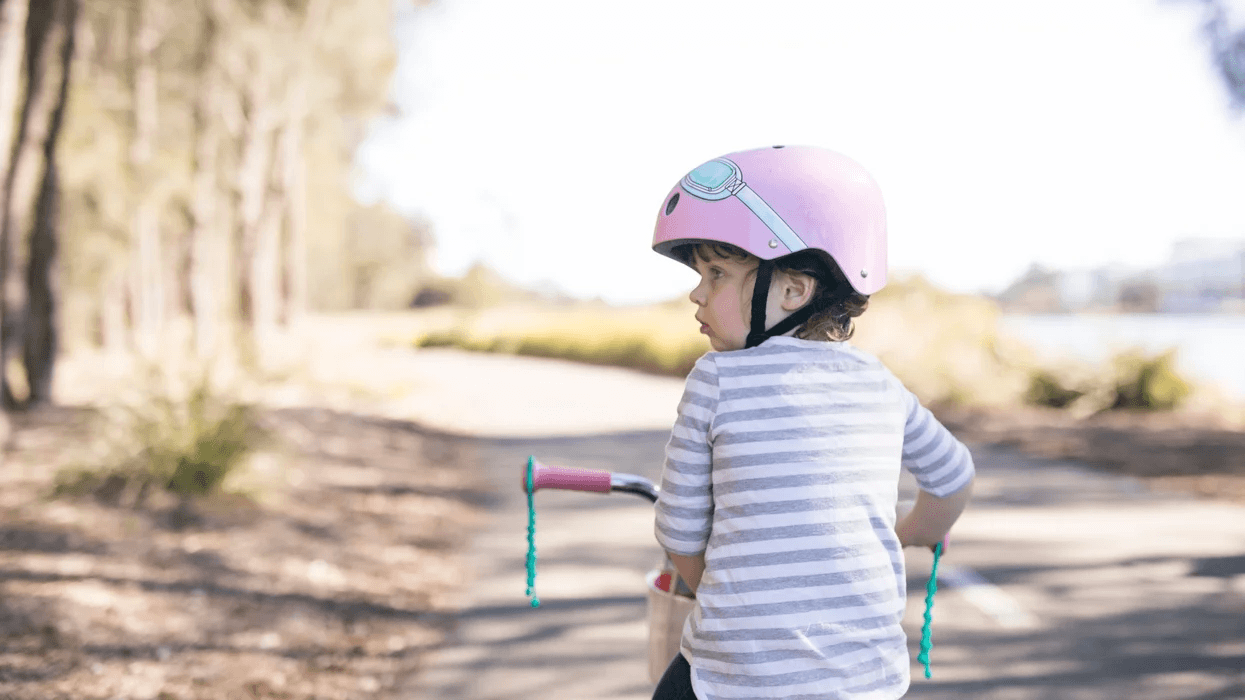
775, 201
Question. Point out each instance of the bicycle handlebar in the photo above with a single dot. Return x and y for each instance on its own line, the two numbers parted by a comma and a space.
547, 476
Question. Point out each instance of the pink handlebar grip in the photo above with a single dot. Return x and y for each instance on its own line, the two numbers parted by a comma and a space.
568, 478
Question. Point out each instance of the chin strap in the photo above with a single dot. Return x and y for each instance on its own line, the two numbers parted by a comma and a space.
757, 333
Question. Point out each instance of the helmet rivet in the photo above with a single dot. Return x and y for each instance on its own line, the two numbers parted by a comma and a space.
864, 273
773, 244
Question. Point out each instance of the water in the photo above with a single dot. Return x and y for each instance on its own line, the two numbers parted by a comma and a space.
1210, 348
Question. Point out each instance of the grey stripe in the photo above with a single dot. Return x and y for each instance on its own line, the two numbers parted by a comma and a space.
788, 607
796, 556
762, 534
786, 582
686, 513
799, 677
931, 459
803, 411
695, 425
771, 390
793, 481
683, 535
917, 424
694, 448
734, 438
915, 454
683, 490
854, 453
951, 478
735, 371
697, 399
701, 375
762, 657
772, 634
802, 505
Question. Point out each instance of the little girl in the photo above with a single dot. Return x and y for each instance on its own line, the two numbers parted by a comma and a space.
779, 492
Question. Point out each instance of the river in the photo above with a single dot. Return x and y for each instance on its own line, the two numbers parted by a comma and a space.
1210, 347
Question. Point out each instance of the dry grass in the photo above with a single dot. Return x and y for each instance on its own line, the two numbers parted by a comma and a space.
946, 347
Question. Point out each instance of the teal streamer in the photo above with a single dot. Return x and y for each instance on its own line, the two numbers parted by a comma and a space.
531, 536
931, 588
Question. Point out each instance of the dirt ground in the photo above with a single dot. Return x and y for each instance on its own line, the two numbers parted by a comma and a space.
331, 586
1197, 453
338, 579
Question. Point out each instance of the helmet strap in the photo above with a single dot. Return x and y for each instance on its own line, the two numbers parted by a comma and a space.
757, 333
760, 297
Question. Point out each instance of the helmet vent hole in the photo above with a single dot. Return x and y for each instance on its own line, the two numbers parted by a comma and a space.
779, 146
674, 201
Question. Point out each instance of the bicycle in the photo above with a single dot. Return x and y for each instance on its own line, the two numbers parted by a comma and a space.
669, 599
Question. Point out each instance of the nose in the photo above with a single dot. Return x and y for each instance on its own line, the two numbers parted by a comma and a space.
697, 295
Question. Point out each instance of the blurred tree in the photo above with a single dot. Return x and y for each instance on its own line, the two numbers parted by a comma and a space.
12, 47
1225, 30
186, 165
28, 235
385, 252
221, 208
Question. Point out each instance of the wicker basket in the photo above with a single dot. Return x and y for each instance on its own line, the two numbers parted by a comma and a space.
666, 614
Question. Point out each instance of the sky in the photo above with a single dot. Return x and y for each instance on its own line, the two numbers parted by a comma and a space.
542, 136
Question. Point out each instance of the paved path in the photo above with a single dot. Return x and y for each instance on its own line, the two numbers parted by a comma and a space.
1061, 582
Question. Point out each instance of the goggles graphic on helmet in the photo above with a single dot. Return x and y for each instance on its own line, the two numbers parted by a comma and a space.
721, 178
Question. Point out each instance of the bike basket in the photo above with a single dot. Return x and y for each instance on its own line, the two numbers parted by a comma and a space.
666, 614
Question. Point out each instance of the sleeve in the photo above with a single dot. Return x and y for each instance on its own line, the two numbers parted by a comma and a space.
685, 502
941, 463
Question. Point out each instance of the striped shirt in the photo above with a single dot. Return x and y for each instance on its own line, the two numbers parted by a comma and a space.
783, 470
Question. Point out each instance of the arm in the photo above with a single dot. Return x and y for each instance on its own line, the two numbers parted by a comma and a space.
931, 518
684, 506
690, 568
944, 470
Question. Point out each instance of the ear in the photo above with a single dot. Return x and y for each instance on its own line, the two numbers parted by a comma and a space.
797, 290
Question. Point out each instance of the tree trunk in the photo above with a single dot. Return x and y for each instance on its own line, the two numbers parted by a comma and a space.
254, 227
12, 45
23, 177
42, 280
146, 247
206, 256
294, 197
294, 173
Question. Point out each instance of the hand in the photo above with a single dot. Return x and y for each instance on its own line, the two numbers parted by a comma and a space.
902, 510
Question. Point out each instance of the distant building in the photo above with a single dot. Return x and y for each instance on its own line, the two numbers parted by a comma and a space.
1096, 289
1202, 275
1035, 292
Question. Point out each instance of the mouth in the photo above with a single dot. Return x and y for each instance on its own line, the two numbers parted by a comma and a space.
704, 327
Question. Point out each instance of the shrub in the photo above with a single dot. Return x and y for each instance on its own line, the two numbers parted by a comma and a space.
1132, 381
1045, 389
186, 446
1148, 383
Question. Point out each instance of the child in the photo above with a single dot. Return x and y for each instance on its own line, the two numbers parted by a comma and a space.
779, 493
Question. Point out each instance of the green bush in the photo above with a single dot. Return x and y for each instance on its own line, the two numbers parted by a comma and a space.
1132, 381
1148, 383
185, 447
1045, 389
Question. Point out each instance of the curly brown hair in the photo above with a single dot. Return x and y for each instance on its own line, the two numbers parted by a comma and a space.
840, 303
